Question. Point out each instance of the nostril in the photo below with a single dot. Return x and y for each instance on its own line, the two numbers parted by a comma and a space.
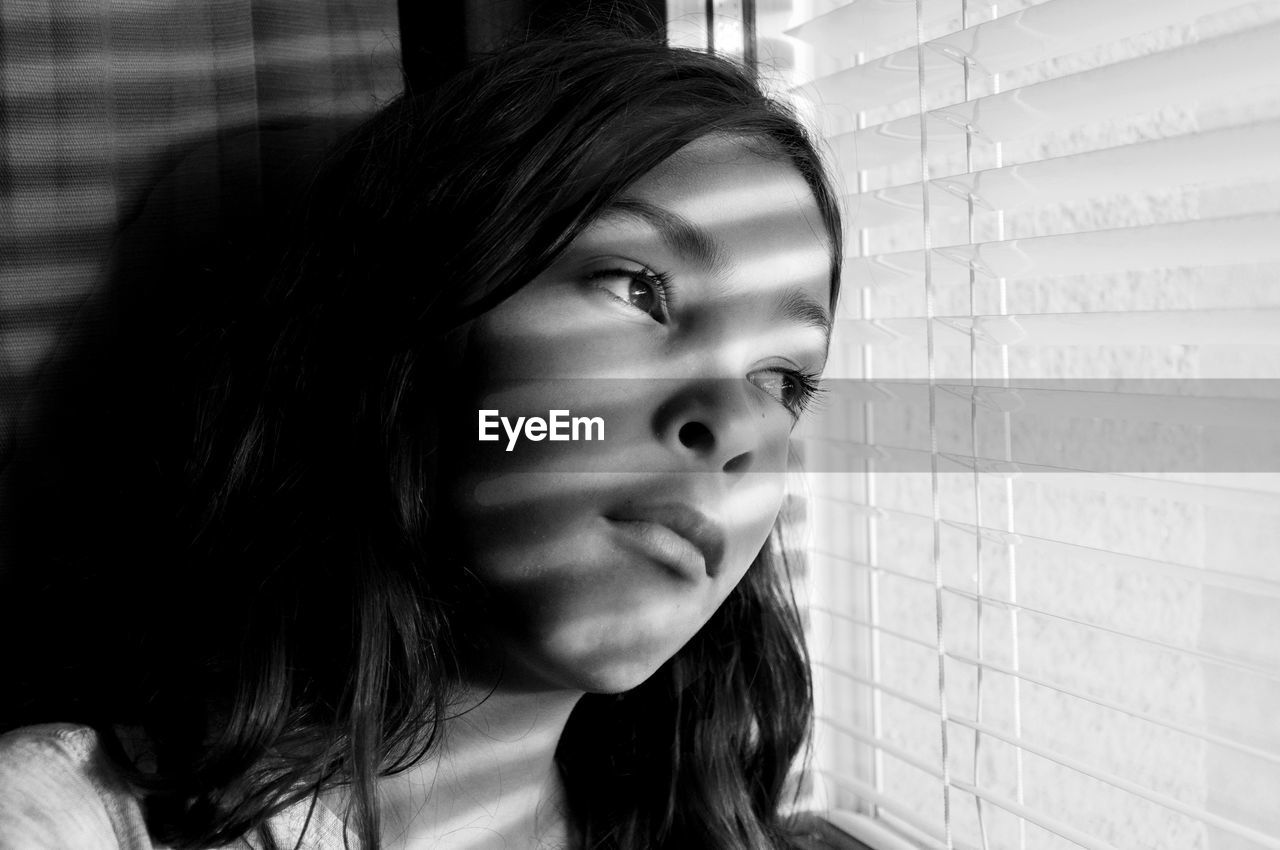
741, 463
695, 435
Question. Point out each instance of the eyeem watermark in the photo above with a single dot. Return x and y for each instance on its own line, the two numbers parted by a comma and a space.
559, 427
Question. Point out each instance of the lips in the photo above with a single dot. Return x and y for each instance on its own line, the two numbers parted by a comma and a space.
674, 534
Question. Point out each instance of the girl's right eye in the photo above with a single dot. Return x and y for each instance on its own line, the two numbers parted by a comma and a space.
641, 289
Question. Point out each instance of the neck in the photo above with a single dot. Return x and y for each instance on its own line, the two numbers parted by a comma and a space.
492, 782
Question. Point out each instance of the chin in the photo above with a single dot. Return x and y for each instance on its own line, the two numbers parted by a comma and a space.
619, 678
615, 675
595, 668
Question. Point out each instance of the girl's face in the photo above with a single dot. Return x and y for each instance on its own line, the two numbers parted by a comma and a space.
691, 319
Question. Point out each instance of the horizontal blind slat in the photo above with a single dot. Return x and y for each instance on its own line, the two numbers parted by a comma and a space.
1038, 818
962, 593
860, 789
1258, 326
862, 25
1254, 411
1186, 728
1242, 402
1239, 499
1226, 157
931, 708
1199, 575
1046, 30
1227, 241
1123, 475
886, 747
1189, 652
1056, 28
1035, 816
1190, 492
876, 568
932, 646
1136, 789
1207, 576
1230, 68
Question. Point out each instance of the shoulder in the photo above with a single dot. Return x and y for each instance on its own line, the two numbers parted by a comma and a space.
57, 790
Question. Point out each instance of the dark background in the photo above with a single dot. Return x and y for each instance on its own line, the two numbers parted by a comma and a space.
436, 38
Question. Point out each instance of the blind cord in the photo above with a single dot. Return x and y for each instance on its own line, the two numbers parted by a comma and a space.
978, 577
933, 428
869, 496
1011, 550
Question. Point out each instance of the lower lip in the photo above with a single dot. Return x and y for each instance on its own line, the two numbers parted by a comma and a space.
663, 545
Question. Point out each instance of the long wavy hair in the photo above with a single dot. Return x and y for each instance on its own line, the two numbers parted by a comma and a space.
310, 615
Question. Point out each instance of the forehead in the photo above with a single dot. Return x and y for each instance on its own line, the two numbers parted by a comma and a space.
764, 227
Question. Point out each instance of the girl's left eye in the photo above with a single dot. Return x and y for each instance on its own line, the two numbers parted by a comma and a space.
642, 289
796, 390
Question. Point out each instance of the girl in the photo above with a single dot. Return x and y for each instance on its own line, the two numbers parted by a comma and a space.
382, 626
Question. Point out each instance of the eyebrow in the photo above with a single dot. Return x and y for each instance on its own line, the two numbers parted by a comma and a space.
681, 235
795, 304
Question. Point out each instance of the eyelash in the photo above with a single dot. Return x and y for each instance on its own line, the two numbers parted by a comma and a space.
807, 388
659, 282
809, 391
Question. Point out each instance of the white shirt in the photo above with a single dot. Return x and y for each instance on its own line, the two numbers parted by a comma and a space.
58, 791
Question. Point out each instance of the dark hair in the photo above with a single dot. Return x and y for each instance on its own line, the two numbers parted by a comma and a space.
325, 639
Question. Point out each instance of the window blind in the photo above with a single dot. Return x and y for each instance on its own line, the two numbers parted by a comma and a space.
1044, 553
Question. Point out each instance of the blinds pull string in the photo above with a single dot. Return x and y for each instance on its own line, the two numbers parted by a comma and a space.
869, 496
1011, 551
933, 428
978, 576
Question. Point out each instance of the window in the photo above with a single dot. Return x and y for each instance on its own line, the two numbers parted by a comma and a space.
1045, 545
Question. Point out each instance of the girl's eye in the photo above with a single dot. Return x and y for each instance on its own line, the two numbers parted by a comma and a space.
795, 390
642, 289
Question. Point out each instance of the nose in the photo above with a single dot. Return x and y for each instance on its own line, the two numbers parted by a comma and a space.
713, 425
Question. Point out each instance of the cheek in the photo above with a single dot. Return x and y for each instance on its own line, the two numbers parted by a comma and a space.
751, 512
545, 329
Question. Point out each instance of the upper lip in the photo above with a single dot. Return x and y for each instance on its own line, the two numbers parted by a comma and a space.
689, 523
